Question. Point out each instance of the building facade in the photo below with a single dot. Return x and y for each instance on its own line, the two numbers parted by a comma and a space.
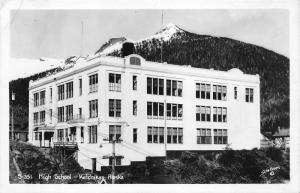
151, 107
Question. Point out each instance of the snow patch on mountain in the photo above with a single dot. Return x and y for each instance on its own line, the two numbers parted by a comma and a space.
114, 47
165, 34
24, 67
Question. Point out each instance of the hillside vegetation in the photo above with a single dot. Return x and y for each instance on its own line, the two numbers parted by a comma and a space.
220, 53
202, 51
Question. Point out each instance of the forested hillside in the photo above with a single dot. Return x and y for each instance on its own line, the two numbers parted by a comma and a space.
220, 53
202, 51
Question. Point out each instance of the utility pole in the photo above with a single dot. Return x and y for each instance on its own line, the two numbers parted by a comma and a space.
81, 39
113, 156
12, 116
114, 159
161, 48
165, 133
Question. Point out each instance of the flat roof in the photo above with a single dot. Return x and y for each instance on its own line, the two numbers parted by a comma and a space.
186, 70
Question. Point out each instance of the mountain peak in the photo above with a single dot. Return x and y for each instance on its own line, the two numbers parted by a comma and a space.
168, 31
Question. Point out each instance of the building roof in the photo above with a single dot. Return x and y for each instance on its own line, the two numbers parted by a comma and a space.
89, 63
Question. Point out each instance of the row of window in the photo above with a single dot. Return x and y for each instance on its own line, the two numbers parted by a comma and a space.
155, 110
61, 91
203, 113
155, 86
61, 116
203, 91
204, 136
156, 135
39, 117
39, 98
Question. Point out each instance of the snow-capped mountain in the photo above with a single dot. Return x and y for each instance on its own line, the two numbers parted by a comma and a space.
24, 67
168, 32
202, 51
21, 67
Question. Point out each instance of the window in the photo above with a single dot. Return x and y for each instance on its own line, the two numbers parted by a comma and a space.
161, 110
219, 92
114, 108
155, 86
134, 82
93, 83
93, 134
161, 135
208, 112
219, 114
60, 114
203, 136
214, 92
169, 110
114, 133
51, 115
60, 134
207, 91
61, 92
220, 136
149, 85
155, 135
93, 108
175, 135
235, 92
114, 82
118, 161
161, 87
203, 91
42, 97
155, 110
36, 99
249, 95
69, 112
37, 135
66, 133
35, 118
203, 113
50, 95
135, 61
80, 87
80, 112
169, 87
174, 88
134, 135
134, 108
82, 135
180, 135
224, 114
69, 90
174, 111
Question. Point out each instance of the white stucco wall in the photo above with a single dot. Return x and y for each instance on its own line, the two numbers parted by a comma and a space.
243, 119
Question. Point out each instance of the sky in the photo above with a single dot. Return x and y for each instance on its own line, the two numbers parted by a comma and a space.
58, 33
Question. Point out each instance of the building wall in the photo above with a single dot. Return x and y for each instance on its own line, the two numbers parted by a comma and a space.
243, 119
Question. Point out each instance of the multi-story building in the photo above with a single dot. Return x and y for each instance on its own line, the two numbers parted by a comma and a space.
152, 107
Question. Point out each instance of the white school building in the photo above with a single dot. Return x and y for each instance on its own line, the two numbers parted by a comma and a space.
151, 107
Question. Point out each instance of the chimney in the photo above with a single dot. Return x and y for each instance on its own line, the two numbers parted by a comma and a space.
127, 48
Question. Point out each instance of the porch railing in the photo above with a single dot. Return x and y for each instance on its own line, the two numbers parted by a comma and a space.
65, 144
75, 119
